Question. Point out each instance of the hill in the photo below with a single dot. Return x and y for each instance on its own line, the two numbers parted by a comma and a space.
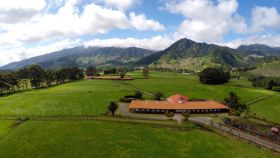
81, 56
259, 50
188, 54
267, 69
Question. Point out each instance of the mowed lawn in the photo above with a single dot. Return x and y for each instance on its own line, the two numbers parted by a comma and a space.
189, 85
109, 139
89, 97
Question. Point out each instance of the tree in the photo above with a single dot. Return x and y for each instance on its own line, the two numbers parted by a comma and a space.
169, 114
234, 102
138, 94
12, 81
146, 72
3, 84
91, 71
49, 77
186, 115
158, 95
60, 75
36, 76
113, 107
122, 74
213, 76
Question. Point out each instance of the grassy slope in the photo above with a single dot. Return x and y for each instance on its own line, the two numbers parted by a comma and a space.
107, 139
189, 85
68, 99
5, 127
271, 69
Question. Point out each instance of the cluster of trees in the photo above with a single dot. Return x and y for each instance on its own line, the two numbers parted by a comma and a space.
213, 76
234, 102
270, 83
36, 77
146, 72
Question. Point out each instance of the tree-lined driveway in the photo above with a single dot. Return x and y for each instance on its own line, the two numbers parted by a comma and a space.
236, 132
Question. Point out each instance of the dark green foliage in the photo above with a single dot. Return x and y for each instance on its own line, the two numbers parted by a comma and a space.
146, 72
234, 102
125, 100
169, 114
186, 115
265, 82
138, 94
22, 73
36, 76
213, 76
49, 77
158, 96
276, 88
112, 70
113, 106
91, 71
122, 74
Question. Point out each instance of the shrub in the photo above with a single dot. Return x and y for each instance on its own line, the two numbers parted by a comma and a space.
138, 94
213, 76
125, 100
158, 96
169, 114
276, 88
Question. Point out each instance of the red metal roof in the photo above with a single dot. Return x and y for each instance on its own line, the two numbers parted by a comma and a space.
188, 105
177, 98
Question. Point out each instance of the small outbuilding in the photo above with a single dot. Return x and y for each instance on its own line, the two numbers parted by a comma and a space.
274, 130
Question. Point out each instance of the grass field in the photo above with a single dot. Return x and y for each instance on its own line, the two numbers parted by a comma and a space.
5, 127
77, 98
190, 86
108, 139
267, 69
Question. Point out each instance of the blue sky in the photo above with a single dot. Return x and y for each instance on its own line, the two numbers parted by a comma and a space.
34, 27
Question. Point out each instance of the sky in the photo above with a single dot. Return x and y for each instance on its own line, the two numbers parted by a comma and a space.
34, 27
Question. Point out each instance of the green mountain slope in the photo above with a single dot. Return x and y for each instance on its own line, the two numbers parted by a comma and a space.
259, 50
191, 55
267, 69
81, 56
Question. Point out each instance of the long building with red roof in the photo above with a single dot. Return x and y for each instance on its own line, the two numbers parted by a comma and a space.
177, 103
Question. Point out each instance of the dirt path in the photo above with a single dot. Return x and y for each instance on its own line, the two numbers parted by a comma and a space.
133, 87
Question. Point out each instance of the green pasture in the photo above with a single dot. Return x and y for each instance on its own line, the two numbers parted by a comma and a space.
108, 139
89, 97
189, 85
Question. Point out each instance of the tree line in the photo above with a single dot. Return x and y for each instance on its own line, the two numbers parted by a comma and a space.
36, 77
270, 83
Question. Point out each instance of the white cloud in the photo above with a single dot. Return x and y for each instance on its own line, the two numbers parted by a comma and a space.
120, 4
153, 43
140, 22
14, 11
71, 21
264, 17
19, 53
270, 40
206, 20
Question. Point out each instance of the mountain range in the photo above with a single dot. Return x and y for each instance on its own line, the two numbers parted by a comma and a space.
184, 53
82, 57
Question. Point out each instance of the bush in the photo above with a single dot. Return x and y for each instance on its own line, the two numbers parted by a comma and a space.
276, 88
169, 114
125, 100
213, 76
158, 96
138, 94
